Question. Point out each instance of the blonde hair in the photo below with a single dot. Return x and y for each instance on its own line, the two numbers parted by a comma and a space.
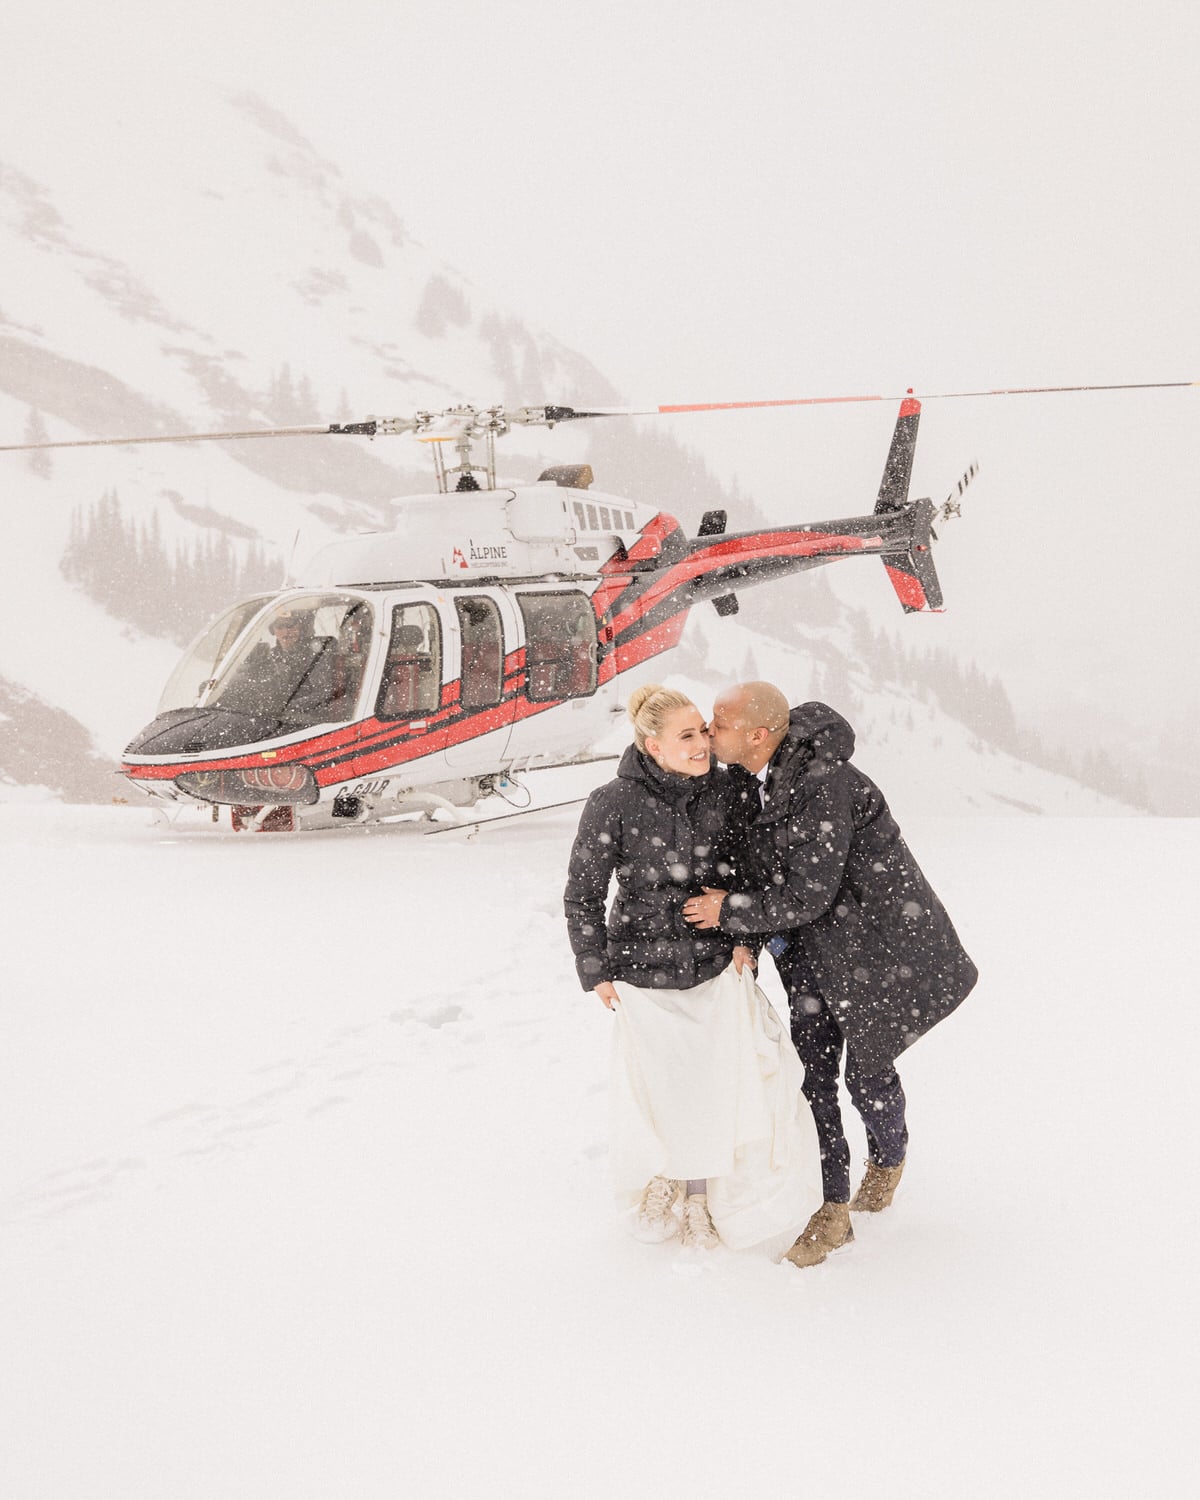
648, 708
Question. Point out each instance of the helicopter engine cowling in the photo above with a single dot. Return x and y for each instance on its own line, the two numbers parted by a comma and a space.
519, 532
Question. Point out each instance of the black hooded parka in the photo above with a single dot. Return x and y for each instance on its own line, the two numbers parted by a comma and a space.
831, 873
664, 836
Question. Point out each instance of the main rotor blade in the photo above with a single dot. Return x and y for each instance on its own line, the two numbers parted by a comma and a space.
1023, 390
550, 415
359, 429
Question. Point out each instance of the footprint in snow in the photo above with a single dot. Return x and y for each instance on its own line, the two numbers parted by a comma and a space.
58, 1192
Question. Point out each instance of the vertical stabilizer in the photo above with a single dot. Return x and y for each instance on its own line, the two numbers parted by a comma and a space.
893, 488
911, 573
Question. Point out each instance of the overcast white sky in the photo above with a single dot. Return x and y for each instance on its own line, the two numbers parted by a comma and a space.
722, 200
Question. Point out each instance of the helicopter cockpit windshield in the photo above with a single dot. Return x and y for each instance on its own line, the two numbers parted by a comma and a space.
300, 663
198, 668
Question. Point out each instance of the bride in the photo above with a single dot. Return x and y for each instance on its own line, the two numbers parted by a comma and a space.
711, 1137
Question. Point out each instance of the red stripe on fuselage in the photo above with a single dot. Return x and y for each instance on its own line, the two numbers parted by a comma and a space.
661, 637
761, 547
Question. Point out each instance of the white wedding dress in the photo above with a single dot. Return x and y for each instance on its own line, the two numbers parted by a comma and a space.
706, 1083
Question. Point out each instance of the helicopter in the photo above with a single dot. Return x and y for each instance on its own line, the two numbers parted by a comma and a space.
492, 632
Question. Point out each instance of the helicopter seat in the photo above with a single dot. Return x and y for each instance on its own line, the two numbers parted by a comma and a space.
408, 685
481, 674
348, 668
403, 692
550, 675
580, 673
350, 660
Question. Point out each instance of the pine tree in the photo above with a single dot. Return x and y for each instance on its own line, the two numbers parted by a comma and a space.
282, 399
35, 432
306, 401
125, 567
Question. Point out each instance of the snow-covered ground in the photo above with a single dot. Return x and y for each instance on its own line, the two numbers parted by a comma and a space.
302, 1189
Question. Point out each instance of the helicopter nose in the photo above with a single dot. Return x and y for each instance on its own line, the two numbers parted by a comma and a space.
194, 731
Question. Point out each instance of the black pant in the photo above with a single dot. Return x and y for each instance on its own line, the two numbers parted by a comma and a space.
878, 1098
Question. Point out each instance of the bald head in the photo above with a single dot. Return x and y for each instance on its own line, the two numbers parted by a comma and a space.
759, 705
749, 722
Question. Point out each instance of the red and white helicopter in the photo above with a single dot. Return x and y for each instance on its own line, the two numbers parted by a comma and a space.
491, 632
488, 634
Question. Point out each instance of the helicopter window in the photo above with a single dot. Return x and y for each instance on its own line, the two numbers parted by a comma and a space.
560, 640
580, 515
353, 642
605, 522
300, 665
593, 521
412, 675
482, 652
198, 669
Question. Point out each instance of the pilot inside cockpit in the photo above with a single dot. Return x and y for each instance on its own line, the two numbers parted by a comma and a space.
289, 678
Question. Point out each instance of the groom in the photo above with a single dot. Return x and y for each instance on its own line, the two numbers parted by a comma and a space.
865, 949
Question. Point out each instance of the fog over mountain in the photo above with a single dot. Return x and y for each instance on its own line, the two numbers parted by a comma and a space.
251, 280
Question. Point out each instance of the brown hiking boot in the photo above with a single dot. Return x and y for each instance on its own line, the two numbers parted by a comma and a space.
829, 1229
877, 1189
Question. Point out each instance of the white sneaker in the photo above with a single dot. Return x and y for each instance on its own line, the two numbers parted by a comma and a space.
656, 1221
698, 1227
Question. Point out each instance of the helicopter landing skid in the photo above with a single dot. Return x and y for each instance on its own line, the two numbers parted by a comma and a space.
471, 826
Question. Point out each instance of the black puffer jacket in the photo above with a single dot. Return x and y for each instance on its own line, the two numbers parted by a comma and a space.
664, 836
830, 871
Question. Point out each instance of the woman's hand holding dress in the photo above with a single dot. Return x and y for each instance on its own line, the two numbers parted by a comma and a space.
741, 957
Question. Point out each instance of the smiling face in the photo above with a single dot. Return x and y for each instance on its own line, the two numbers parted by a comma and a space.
682, 746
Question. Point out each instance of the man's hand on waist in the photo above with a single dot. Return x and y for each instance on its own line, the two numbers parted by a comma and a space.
705, 910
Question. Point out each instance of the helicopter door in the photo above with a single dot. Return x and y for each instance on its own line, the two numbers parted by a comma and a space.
561, 654
560, 642
412, 674
487, 713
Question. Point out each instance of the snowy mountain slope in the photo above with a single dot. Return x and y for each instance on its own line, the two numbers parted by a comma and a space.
312, 1205
266, 287
259, 272
258, 257
926, 761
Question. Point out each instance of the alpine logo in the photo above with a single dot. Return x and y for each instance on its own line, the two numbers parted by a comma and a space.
478, 554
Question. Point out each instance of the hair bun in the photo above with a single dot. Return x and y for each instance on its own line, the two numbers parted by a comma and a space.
649, 707
638, 697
